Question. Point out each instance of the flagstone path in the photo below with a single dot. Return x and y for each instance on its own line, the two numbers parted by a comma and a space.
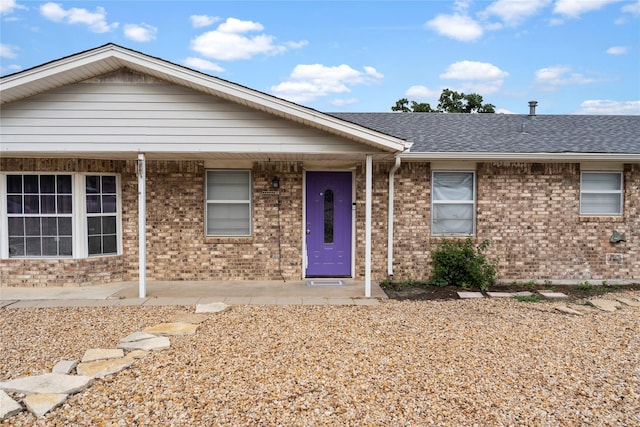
43, 393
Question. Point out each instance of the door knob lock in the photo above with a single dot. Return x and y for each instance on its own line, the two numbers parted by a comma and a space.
308, 231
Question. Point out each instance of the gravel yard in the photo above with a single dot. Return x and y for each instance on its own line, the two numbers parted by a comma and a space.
459, 362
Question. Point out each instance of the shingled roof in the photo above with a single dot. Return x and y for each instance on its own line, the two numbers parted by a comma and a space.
506, 133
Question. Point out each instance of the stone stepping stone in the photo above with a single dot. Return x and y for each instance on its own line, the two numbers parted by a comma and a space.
151, 344
469, 295
47, 383
94, 354
214, 307
628, 301
188, 318
553, 295
170, 329
137, 336
605, 304
523, 294
8, 406
500, 294
137, 354
102, 368
64, 366
568, 310
40, 404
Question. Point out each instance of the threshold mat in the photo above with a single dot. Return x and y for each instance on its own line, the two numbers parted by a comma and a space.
325, 283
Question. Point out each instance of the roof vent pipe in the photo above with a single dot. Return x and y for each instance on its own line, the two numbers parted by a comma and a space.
532, 107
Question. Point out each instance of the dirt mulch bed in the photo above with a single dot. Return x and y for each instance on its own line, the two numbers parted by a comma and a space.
431, 293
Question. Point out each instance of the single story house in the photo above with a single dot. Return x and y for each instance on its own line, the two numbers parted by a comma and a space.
117, 166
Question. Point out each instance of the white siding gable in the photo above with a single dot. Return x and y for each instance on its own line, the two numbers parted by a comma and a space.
124, 113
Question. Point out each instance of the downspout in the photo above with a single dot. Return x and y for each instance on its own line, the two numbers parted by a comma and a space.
142, 225
367, 221
392, 174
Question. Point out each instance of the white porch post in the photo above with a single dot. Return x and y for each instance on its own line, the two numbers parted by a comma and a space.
142, 225
367, 221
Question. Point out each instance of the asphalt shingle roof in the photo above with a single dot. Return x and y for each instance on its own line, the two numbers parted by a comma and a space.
506, 133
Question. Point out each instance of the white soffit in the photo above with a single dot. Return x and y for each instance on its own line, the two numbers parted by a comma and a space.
110, 57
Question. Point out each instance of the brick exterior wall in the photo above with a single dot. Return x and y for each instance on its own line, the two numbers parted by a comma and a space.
528, 211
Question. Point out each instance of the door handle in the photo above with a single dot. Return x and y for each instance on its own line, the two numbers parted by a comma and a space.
308, 231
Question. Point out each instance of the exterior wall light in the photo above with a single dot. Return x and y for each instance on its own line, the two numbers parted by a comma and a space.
617, 237
275, 182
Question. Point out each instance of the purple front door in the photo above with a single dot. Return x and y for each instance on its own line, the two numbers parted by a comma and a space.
328, 224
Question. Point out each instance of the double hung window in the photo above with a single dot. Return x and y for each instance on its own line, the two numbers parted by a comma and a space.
101, 202
453, 203
601, 193
228, 206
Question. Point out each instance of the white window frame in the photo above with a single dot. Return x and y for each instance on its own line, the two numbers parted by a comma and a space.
79, 216
87, 215
471, 202
248, 201
619, 192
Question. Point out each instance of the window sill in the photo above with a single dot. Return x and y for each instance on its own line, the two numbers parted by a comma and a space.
236, 240
603, 218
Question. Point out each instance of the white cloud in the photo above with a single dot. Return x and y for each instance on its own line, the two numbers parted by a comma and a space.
504, 111
478, 77
472, 70
575, 8
140, 33
617, 50
633, 8
343, 102
457, 27
203, 64
8, 6
234, 25
308, 82
229, 42
422, 93
95, 21
608, 107
559, 75
512, 12
9, 69
8, 51
199, 21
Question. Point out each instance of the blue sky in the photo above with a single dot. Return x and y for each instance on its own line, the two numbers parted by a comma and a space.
572, 56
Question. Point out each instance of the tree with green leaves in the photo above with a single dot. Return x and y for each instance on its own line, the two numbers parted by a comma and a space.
403, 106
450, 102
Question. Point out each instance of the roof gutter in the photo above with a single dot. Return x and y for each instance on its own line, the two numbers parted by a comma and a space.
390, 225
489, 156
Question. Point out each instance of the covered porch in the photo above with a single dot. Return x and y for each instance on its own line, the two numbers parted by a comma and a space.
268, 292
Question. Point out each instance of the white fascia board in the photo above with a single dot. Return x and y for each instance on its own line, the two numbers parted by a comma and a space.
554, 157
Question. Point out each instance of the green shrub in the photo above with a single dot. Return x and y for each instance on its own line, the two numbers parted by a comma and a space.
458, 262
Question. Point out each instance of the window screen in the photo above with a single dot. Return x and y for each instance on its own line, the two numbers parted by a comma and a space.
453, 203
601, 193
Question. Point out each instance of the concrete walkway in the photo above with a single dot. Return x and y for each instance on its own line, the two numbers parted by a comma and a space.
192, 293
